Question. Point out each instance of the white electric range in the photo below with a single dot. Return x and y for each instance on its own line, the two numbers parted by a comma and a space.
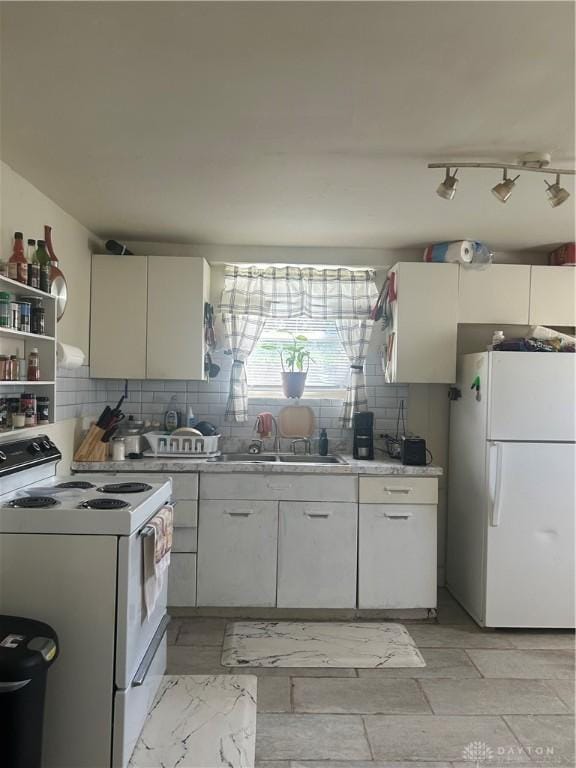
71, 555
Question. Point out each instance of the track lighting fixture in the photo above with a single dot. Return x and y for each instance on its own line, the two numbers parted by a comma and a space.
556, 194
533, 162
503, 190
447, 188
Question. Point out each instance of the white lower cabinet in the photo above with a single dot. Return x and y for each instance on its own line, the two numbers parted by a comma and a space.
182, 580
317, 555
237, 553
397, 556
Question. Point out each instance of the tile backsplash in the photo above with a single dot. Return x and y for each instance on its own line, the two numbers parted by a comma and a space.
80, 396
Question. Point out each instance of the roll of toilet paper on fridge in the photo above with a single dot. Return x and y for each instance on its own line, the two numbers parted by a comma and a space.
69, 356
460, 251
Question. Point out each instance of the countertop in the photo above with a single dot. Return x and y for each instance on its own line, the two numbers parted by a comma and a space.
379, 466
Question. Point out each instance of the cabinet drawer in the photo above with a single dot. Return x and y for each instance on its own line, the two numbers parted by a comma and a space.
278, 486
397, 556
185, 540
398, 490
317, 543
184, 486
237, 553
185, 513
182, 580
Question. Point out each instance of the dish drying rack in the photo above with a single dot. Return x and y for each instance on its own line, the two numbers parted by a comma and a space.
167, 444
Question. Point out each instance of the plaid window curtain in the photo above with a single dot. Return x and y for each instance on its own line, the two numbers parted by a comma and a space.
355, 336
328, 294
253, 294
242, 332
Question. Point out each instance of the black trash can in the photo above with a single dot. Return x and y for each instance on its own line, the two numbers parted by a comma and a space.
27, 649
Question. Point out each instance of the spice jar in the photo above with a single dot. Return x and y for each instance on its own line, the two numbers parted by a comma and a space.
37, 320
4, 309
4, 368
14, 315
28, 408
25, 309
42, 410
3, 413
33, 366
18, 420
13, 406
14, 370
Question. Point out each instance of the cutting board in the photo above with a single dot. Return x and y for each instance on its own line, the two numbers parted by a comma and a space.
296, 421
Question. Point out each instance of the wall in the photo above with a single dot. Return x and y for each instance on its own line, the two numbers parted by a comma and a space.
24, 208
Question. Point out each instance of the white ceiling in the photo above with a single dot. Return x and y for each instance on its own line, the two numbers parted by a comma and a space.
290, 123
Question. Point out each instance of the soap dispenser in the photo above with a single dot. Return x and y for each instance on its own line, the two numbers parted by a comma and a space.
171, 417
323, 443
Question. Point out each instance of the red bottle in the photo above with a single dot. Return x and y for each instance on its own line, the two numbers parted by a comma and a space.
17, 264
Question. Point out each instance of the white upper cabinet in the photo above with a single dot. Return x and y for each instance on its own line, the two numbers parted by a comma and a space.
147, 317
498, 293
553, 296
177, 290
118, 317
422, 338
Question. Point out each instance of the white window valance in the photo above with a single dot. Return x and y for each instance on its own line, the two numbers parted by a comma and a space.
330, 294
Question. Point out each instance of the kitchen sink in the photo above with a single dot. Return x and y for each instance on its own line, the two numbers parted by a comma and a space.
273, 458
243, 458
308, 459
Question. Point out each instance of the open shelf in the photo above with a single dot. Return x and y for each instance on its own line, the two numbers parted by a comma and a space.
24, 334
15, 434
7, 284
26, 383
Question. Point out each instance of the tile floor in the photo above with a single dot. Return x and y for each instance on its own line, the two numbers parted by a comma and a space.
507, 695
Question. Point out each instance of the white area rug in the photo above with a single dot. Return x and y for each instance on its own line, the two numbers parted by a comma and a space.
199, 721
319, 644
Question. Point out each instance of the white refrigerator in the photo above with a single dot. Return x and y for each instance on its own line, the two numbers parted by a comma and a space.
511, 500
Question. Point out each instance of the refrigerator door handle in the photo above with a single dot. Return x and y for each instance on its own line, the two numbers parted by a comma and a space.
496, 516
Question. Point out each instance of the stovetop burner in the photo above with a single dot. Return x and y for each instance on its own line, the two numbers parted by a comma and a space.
104, 504
82, 485
33, 502
125, 488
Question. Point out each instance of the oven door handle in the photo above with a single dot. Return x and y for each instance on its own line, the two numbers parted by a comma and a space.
142, 670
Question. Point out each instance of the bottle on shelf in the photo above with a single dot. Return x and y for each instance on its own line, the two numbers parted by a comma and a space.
42, 258
17, 264
34, 365
33, 265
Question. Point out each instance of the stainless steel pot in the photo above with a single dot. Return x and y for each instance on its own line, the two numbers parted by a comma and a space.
134, 443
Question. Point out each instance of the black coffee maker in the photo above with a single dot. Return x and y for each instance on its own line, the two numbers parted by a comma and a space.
363, 446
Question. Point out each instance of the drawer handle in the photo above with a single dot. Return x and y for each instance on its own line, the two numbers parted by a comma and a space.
142, 671
397, 515
311, 513
398, 490
239, 512
278, 487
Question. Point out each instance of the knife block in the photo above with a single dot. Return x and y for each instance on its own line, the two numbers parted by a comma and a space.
92, 448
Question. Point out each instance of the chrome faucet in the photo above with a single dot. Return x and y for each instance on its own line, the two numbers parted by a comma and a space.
304, 440
256, 445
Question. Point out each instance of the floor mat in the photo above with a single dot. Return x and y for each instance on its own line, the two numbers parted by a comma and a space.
198, 721
319, 644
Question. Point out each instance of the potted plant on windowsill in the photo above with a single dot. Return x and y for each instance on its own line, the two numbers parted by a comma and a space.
295, 360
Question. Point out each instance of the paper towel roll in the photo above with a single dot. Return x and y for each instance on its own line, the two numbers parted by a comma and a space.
460, 251
69, 356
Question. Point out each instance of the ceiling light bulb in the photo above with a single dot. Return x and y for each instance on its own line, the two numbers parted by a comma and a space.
556, 194
447, 188
503, 190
